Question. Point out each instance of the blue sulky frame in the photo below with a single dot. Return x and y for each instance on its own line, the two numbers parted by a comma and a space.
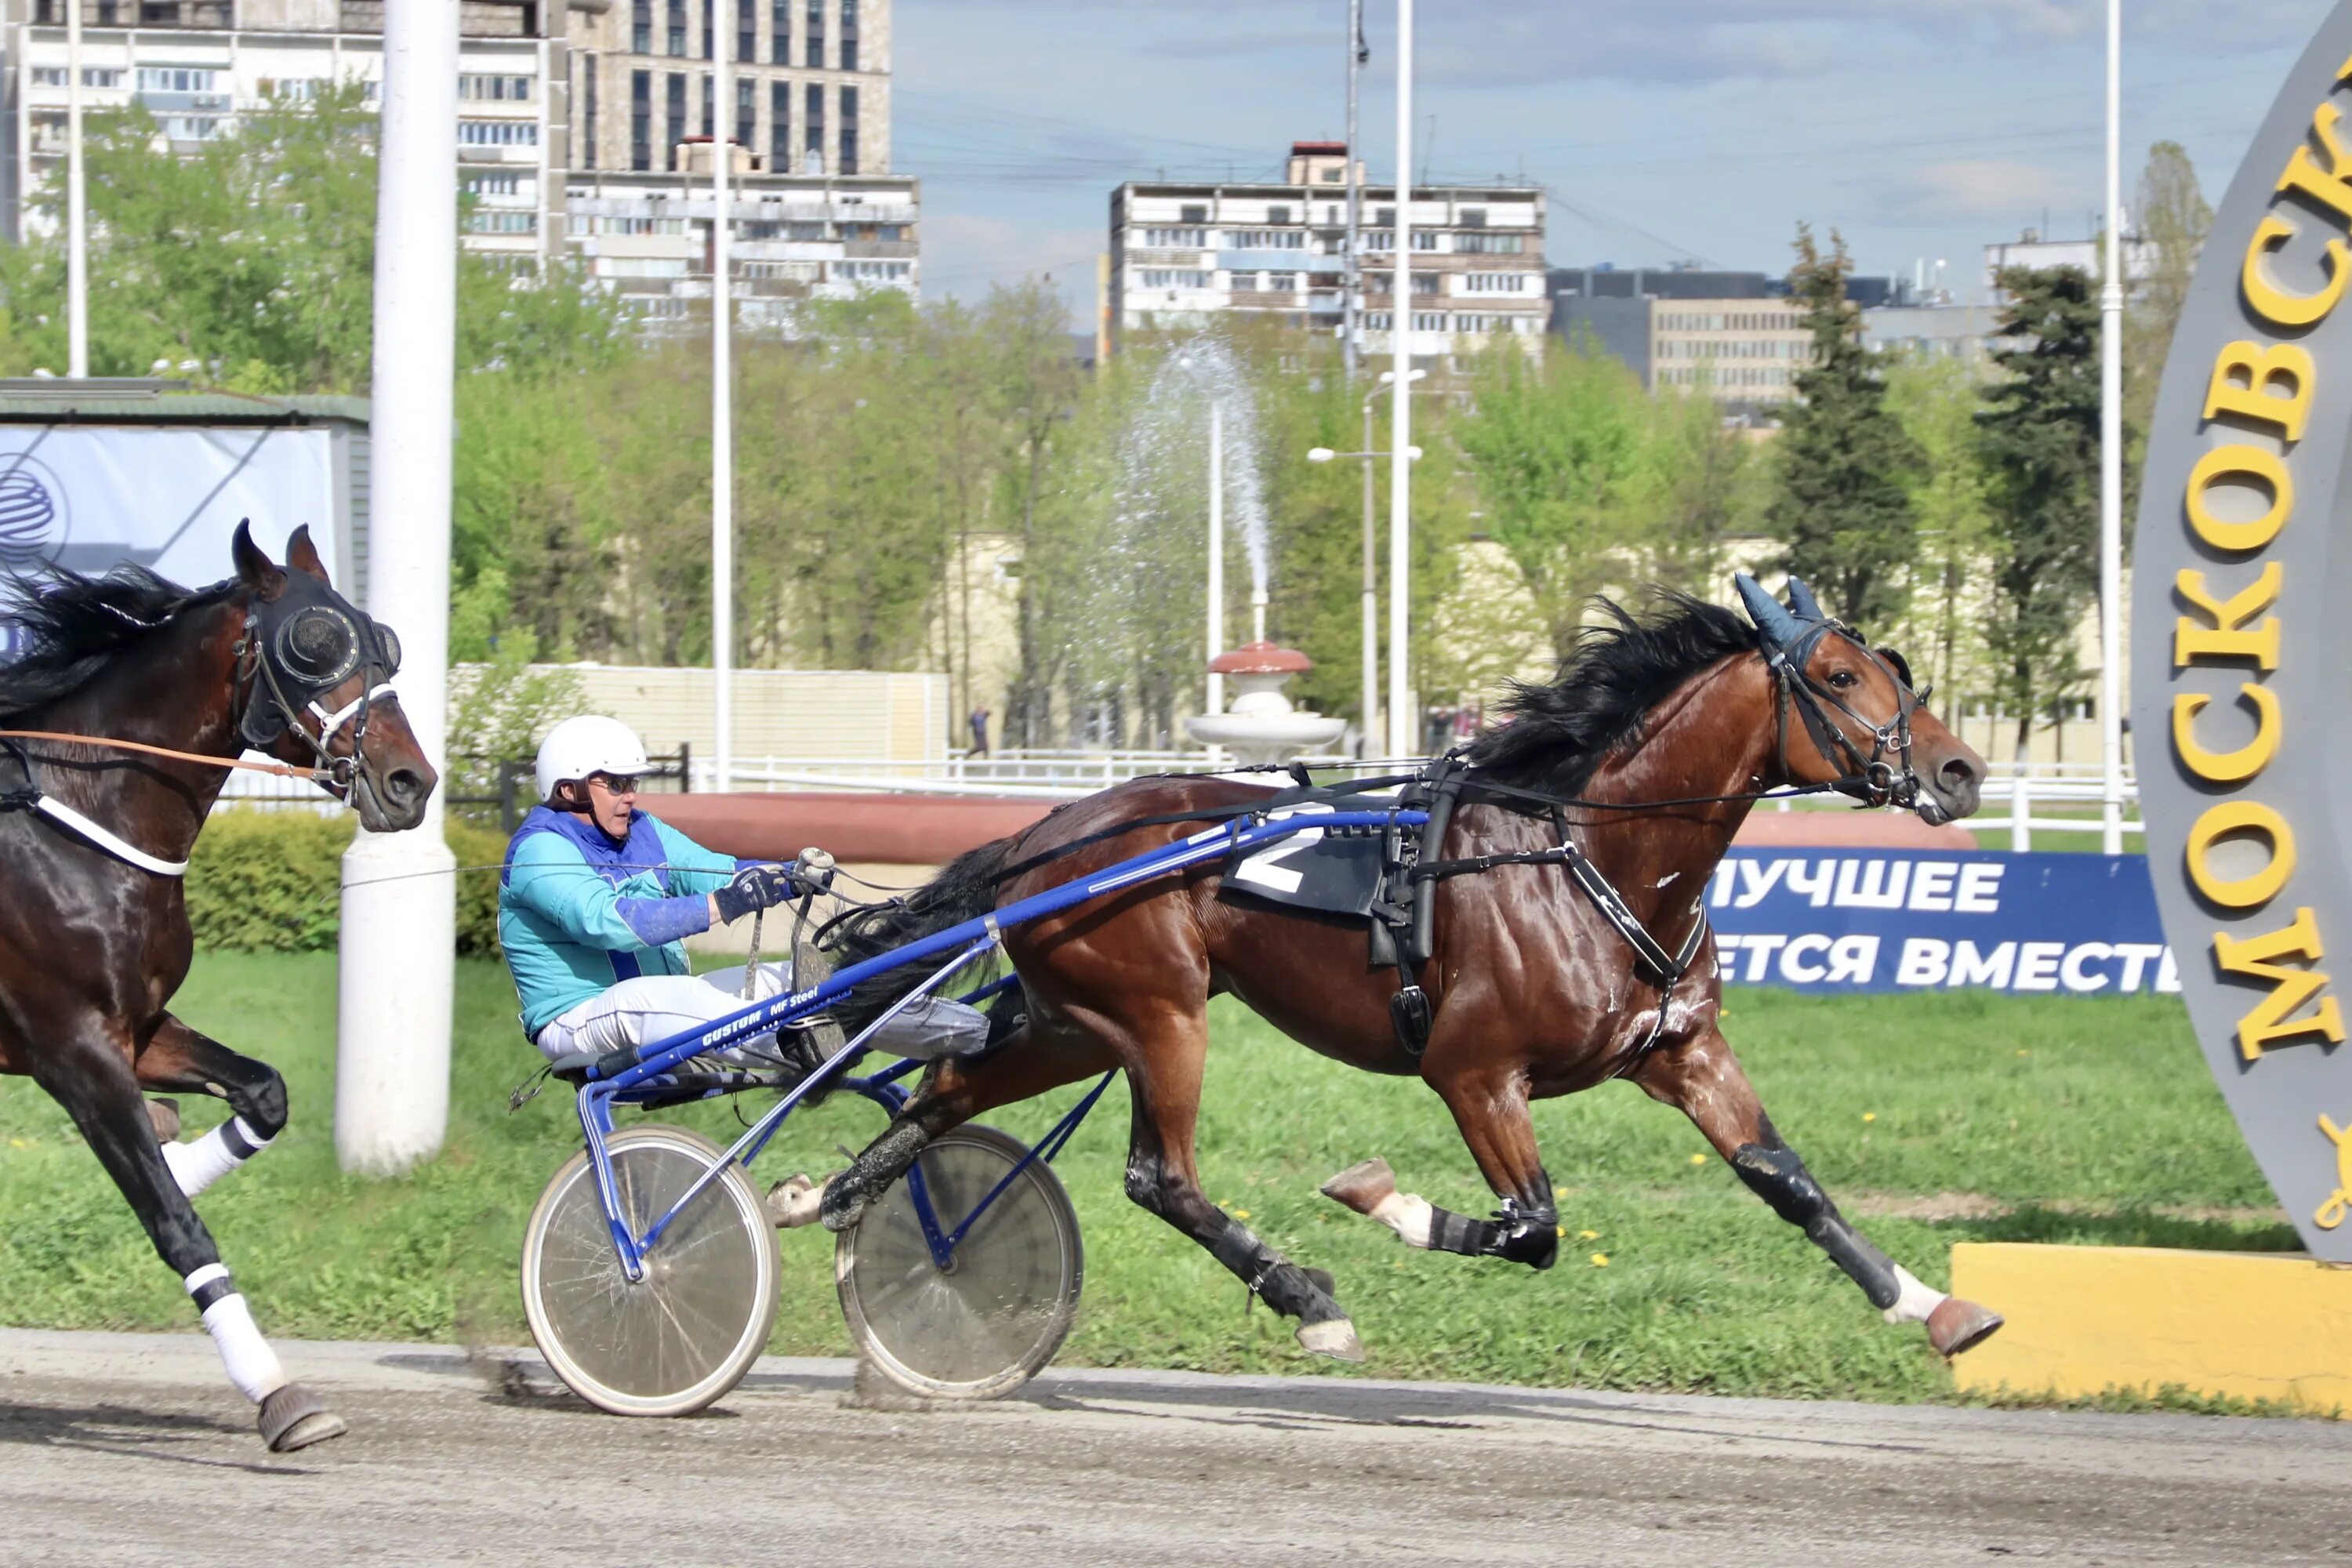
649, 1072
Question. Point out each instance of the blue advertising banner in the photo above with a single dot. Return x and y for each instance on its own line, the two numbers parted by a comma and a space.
1892, 920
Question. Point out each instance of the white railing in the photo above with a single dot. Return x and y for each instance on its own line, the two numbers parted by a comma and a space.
1021, 774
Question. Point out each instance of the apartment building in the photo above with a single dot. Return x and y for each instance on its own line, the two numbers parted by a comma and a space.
1184, 254
2030, 249
581, 127
195, 65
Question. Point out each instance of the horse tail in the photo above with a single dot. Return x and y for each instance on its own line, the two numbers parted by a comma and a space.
964, 891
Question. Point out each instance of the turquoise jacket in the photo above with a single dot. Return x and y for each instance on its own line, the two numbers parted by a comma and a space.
579, 913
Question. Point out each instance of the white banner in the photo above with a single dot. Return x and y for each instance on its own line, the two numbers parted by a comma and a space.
92, 496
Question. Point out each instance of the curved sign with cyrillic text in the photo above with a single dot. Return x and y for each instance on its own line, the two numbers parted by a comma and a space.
2241, 645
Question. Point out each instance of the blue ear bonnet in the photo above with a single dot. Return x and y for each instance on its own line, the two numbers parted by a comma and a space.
1786, 633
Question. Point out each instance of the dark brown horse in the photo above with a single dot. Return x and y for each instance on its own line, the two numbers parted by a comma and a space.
94, 934
1536, 994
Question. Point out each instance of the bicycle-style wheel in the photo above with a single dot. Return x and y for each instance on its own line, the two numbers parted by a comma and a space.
687, 1332
995, 1315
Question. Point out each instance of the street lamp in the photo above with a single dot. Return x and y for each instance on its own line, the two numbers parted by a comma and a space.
1372, 650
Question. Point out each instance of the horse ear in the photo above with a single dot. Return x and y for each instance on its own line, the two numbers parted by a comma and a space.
303, 555
1801, 601
254, 567
1771, 618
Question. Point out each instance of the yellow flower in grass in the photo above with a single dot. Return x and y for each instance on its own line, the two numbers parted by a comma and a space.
1588, 1236
1870, 1116
1698, 1159
1241, 1214
1601, 1260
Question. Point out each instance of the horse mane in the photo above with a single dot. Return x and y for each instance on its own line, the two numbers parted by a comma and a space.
71, 624
1559, 733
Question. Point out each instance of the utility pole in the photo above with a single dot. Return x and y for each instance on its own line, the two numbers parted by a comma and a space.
2111, 462
77, 211
1351, 305
1372, 617
722, 406
1402, 742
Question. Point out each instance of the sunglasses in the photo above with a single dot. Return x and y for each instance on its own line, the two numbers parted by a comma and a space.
624, 784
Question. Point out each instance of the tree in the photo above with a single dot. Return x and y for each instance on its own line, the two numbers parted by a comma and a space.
2040, 437
2174, 220
1841, 503
1936, 399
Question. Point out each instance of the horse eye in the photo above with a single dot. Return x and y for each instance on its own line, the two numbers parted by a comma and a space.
1843, 677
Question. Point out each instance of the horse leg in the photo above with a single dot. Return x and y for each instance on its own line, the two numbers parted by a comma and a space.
1703, 1079
1027, 1064
178, 1057
88, 1071
1490, 1107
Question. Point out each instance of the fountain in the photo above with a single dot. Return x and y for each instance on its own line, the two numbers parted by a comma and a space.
1262, 728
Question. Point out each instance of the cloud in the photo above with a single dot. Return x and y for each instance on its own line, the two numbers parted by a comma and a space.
1998, 190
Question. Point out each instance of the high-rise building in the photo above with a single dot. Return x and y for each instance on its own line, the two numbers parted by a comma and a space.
1186, 252
581, 126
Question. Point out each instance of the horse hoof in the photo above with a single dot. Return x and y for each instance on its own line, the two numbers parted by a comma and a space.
1956, 1325
1363, 1187
294, 1417
795, 1202
165, 1115
1333, 1337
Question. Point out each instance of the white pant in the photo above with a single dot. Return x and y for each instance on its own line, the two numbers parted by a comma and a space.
650, 1007
655, 1006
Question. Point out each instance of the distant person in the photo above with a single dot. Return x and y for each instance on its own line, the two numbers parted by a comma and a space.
980, 730
597, 898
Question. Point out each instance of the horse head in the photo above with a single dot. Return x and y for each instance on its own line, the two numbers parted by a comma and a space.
320, 686
1849, 715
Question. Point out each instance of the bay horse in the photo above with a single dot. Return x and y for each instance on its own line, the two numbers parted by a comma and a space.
1534, 991
169, 685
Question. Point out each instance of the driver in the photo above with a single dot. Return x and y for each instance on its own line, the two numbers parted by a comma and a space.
597, 898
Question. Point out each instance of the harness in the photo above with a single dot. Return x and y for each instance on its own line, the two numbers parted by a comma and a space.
308, 640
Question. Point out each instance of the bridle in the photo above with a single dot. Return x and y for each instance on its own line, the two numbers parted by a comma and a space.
1887, 776
295, 650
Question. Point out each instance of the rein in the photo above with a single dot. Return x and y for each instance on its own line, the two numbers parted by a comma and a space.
282, 769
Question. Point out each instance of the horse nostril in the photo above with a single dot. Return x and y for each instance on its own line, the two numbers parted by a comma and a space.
1956, 775
402, 786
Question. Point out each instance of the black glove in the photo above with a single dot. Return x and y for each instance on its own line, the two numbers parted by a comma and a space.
753, 888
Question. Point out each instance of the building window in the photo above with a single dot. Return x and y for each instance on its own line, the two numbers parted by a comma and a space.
779, 32
91, 76
1266, 239
191, 126
1376, 320
1429, 322
708, 124
848, 128
493, 184
1384, 217
502, 222
1277, 214
1489, 244
476, 88
1426, 239
176, 78
747, 112
710, 29
812, 131
1175, 238
1282, 282
1193, 212
675, 93
872, 272
498, 133
780, 127
1173, 278
677, 26
641, 27
814, 56
848, 45
747, 31
1474, 217
1496, 282
641, 119
589, 95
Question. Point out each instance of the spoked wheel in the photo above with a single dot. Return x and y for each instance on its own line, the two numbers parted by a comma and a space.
993, 1316
685, 1334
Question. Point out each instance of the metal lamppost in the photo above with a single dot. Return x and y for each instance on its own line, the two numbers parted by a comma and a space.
1400, 719
1371, 644
2111, 462
722, 411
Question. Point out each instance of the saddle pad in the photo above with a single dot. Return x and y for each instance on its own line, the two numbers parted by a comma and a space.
1331, 872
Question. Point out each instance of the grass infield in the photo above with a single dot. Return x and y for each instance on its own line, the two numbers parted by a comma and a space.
1932, 1119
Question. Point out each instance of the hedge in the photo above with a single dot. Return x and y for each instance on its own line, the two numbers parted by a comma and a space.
271, 880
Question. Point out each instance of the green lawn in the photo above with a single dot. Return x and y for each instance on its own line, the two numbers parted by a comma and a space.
2065, 1119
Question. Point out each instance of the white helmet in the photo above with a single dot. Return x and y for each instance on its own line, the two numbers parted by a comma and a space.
590, 743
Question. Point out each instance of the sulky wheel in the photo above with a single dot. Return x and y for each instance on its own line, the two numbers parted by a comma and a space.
684, 1334
994, 1316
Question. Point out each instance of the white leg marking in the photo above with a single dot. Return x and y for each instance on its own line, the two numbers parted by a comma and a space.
1407, 1213
252, 1364
1915, 1302
795, 1202
197, 1165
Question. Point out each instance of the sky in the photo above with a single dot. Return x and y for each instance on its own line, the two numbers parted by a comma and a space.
1666, 131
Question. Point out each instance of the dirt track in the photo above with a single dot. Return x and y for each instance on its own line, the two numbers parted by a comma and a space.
129, 1448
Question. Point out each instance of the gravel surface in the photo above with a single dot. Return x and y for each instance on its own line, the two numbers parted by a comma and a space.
132, 1448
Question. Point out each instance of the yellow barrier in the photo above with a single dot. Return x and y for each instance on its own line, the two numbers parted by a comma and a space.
2083, 1319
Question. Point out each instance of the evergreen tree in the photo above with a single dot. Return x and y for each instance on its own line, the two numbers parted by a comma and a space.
2174, 219
2041, 442
1841, 503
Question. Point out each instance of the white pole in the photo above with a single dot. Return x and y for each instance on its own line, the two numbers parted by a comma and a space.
1371, 611
1402, 739
2111, 460
722, 414
77, 214
1217, 551
1351, 303
396, 962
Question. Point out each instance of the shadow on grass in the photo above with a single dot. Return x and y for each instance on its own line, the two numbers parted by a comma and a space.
2128, 1227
